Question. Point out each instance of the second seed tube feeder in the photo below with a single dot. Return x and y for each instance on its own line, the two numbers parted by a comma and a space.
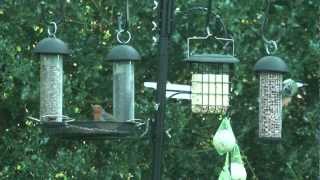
123, 57
270, 70
210, 81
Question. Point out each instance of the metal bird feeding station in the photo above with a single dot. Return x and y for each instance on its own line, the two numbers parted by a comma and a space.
270, 70
51, 51
210, 82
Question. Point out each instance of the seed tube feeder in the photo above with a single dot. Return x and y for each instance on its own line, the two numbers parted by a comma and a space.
122, 57
210, 81
51, 51
270, 70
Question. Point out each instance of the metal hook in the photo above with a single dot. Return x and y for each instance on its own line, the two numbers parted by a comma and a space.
155, 3
118, 37
154, 26
208, 31
271, 44
52, 34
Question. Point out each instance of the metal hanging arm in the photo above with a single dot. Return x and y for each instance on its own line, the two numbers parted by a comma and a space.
208, 17
265, 20
216, 17
271, 46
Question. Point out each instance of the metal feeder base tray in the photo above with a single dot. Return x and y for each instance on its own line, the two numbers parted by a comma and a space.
91, 129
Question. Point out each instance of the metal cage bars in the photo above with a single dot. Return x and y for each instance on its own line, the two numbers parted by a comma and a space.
210, 88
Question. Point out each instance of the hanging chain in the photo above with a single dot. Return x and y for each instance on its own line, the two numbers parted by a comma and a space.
54, 22
121, 30
265, 20
59, 12
270, 45
61, 16
216, 19
124, 27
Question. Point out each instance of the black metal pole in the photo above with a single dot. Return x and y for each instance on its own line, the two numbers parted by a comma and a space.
166, 13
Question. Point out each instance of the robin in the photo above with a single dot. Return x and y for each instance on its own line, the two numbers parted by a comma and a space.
99, 114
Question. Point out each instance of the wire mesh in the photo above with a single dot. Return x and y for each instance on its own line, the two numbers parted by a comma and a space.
270, 106
51, 85
210, 86
123, 90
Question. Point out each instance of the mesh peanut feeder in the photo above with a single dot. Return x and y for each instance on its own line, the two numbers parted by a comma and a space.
270, 70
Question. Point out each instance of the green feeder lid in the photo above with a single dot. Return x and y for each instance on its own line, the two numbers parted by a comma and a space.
212, 58
123, 53
271, 64
52, 45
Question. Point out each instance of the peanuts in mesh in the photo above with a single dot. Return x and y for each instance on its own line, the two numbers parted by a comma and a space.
270, 106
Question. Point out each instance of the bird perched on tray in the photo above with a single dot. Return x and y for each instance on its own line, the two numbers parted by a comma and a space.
99, 114
290, 89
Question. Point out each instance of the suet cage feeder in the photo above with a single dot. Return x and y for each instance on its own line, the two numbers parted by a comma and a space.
270, 70
211, 79
54, 123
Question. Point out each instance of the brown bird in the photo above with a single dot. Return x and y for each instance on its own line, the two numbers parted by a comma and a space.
99, 114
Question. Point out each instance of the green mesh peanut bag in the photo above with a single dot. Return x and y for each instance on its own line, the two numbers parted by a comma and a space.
224, 139
225, 173
238, 171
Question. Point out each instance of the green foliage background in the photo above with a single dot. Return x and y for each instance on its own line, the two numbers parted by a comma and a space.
89, 28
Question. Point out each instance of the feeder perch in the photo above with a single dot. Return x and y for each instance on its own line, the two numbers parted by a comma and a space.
122, 57
51, 51
210, 81
270, 70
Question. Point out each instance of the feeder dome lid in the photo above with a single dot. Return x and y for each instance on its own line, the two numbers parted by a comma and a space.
52, 45
271, 64
123, 53
212, 58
